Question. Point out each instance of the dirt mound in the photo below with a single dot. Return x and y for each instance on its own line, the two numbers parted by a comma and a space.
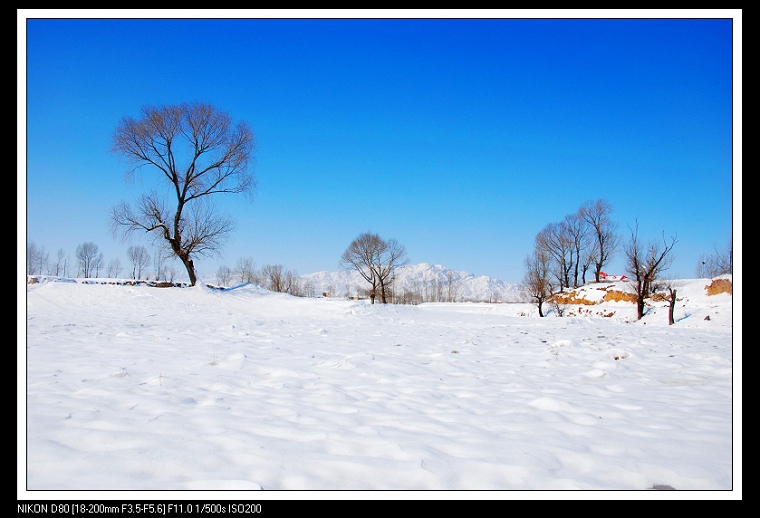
720, 286
570, 297
618, 296
573, 297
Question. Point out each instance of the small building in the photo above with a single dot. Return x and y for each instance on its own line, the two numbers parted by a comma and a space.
605, 277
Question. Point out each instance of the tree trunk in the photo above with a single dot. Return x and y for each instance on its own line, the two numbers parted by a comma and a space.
383, 296
190, 269
672, 309
640, 306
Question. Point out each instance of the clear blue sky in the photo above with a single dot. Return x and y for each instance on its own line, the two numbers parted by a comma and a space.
461, 138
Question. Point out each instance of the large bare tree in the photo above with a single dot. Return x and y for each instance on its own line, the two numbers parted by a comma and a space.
645, 264
392, 255
556, 240
604, 238
198, 152
360, 256
375, 259
578, 236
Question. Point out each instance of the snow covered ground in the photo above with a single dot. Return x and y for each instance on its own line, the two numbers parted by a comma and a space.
139, 389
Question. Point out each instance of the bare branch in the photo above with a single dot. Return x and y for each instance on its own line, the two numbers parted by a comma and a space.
200, 152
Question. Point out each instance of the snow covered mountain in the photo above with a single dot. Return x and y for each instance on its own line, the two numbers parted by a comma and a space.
419, 283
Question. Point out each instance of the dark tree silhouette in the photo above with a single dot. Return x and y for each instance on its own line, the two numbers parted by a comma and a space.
537, 278
645, 264
90, 258
375, 259
198, 151
604, 238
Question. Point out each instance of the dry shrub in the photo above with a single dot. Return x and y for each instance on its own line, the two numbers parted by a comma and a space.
720, 286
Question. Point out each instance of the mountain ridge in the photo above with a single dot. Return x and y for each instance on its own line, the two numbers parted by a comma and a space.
421, 282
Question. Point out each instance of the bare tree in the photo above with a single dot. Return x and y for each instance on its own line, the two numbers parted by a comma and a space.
245, 269
98, 264
200, 153
308, 288
645, 264
672, 305
89, 257
114, 268
453, 286
161, 258
224, 275
274, 276
537, 277
375, 259
586, 259
292, 284
719, 263
36, 259
278, 279
139, 257
606, 241
578, 237
671, 287
391, 256
60, 264
556, 241
360, 256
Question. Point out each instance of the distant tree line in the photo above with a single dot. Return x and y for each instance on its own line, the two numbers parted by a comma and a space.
273, 277
720, 262
90, 263
448, 289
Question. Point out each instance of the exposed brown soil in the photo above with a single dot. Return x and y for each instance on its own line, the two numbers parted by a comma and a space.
571, 297
720, 286
617, 296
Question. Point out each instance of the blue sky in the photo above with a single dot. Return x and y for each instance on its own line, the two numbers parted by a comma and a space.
461, 138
